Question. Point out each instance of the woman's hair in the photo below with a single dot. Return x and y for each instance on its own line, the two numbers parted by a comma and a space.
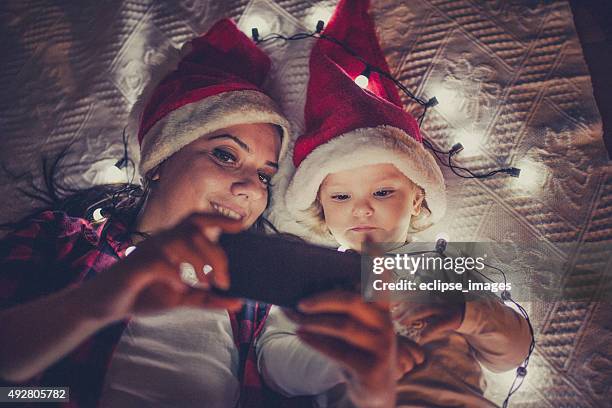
120, 201
315, 217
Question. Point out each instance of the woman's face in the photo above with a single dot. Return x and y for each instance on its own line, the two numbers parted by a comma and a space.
226, 172
375, 200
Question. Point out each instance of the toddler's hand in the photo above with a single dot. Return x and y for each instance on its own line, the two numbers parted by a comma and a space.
409, 355
439, 319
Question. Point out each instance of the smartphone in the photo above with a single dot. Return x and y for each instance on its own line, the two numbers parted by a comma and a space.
279, 270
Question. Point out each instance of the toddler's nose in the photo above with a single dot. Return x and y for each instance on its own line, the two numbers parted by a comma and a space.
362, 210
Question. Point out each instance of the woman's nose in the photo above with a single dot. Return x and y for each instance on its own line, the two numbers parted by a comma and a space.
249, 188
362, 209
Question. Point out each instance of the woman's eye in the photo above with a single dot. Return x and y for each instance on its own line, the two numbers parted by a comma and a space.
383, 193
340, 197
265, 179
223, 155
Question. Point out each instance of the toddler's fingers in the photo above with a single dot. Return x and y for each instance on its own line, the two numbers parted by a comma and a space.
411, 315
406, 346
348, 303
343, 328
437, 328
405, 364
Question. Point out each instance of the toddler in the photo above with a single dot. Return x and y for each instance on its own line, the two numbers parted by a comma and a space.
362, 173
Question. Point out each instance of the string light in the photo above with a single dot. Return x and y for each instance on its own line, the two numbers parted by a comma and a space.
442, 235
456, 148
118, 171
534, 176
121, 163
98, 216
441, 244
469, 142
258, 23
451, 102
364, 78
109, 175
319, 14
320, 26
129, 250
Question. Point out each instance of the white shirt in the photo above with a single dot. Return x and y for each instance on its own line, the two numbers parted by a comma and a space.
187, 358
183, 357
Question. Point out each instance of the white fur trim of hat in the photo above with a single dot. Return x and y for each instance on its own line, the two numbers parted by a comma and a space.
362, 147
194, 120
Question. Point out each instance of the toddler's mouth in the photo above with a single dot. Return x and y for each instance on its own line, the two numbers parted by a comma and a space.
363, 228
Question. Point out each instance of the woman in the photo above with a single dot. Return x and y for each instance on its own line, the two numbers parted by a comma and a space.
78, 312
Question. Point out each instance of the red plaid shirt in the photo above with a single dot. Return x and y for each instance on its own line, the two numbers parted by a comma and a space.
52, 251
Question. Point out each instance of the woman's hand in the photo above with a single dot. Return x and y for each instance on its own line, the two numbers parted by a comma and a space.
149, 280
39, 333
359, 336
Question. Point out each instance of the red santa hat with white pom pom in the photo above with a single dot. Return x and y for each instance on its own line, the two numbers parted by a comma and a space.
216, 84
348, 126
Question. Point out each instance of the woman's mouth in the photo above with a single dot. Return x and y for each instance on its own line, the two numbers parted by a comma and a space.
232, 213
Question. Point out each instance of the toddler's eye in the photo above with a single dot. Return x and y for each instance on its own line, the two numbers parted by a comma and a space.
265, 179
223, 155
340, 197
383, 193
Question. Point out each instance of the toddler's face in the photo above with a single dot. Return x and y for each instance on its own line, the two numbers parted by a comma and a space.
375, 200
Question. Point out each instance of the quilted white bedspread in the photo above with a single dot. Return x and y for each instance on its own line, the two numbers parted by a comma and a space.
513, 88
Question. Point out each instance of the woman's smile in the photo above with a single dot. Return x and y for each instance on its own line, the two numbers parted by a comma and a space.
231, 211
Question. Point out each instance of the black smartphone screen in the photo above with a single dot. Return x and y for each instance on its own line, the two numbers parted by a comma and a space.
281, 271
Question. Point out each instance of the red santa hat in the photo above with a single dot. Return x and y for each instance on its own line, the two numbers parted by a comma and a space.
217, 84
349, 127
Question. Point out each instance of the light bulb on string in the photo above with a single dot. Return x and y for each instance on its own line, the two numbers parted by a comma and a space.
441, 241
364, 78
259, 23
129, 250
531, 177
98, 216
470, 142
450, 101
121, 163
111, 174
443, 235
316, 14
